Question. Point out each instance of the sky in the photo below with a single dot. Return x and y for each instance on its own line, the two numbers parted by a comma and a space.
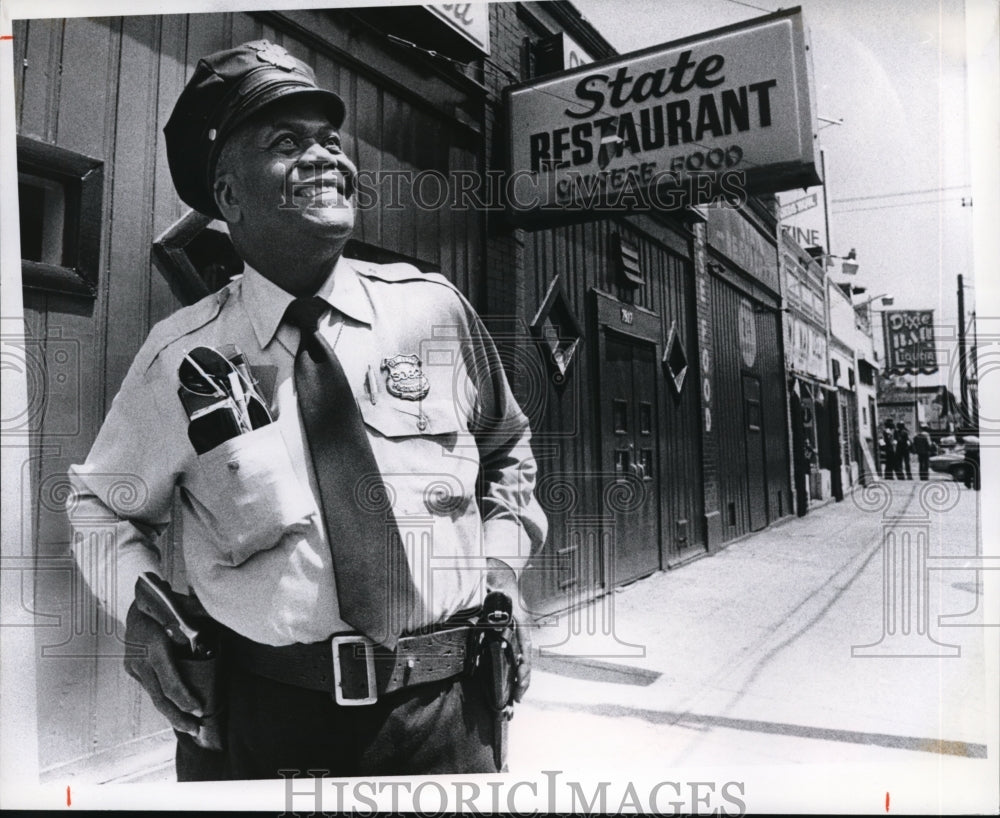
893, 74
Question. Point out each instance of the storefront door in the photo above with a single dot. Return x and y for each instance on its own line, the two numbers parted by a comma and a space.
629, 435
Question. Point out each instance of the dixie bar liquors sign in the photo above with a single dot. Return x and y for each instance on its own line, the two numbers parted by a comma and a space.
720, 115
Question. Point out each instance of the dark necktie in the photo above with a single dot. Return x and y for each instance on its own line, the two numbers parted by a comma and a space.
374, 586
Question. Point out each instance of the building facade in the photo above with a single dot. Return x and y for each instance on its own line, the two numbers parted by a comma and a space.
808, 364
646, 349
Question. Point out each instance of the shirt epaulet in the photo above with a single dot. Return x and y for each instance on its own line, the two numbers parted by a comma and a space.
181, 323
399, 272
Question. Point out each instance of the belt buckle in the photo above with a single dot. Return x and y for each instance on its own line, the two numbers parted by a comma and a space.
339, 642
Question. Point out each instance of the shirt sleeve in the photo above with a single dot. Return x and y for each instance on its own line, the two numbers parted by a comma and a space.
514, 524
120, 498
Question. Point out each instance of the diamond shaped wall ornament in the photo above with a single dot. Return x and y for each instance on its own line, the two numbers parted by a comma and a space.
557, 331
196, 256
675, 359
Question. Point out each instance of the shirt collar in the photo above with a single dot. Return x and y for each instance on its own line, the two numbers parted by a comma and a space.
266, 302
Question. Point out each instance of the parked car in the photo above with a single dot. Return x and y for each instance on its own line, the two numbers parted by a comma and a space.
953, 460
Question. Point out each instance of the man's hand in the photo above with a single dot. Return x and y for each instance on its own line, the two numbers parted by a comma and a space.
148, 660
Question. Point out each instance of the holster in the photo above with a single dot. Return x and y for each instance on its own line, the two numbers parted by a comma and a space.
201, 673
203, 678
497, 668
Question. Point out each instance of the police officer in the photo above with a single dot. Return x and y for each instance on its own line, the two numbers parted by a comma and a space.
924, 447
335, 659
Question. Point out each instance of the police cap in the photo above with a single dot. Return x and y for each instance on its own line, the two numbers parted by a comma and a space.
225, 89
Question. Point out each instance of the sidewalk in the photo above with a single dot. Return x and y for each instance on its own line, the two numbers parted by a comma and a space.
745, 657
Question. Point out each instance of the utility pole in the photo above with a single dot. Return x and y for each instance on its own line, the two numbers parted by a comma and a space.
974, 409
962, 374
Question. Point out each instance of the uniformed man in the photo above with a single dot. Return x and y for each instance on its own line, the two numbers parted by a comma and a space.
343, 548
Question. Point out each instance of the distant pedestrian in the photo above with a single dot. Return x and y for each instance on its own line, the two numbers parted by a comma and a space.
972, 475
890, 463
924, 447
903, 451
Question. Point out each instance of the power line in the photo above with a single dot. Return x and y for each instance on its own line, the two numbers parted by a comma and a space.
750, 6
900, 204
901, 193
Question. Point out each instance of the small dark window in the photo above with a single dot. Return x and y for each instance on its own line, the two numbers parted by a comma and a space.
620, 413
60, 203
645, 418
646, 461
43, 218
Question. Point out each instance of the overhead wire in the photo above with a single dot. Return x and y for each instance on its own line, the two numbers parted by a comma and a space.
750, 6
897, 204
900, 193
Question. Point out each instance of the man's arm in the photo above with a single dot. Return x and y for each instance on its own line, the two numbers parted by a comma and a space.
514, 524
120, 498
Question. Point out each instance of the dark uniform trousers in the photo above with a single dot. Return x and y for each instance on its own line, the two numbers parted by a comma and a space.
437, 728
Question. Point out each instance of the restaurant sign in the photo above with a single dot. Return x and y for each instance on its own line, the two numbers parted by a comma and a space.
716, 116
909, 342
471, 20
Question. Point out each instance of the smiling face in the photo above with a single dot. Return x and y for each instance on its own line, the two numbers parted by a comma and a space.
284, 184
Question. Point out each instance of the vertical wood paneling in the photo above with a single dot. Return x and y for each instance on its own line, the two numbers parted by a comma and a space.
167, 207
206, 33
391, 161
41, 79
728, 417
19, 29
366, 120
682, 454
451, 225
246, 28
127, 274
128, 287
728, 414
84, 96
63, 330
272, 34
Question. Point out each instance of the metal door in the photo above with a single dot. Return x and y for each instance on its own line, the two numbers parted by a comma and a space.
629, 436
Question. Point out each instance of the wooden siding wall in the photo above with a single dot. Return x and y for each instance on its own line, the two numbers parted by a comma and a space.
105, 88
567, 442
729, 417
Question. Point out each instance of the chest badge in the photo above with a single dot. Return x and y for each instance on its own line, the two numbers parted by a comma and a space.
406, 380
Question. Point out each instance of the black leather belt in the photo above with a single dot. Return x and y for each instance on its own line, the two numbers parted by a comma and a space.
352, 668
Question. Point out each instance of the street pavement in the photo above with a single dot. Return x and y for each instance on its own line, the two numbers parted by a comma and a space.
756, 657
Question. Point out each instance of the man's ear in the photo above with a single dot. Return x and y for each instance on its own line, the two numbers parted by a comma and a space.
226, 199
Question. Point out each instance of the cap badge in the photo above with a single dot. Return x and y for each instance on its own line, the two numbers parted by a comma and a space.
275, 55
405, 381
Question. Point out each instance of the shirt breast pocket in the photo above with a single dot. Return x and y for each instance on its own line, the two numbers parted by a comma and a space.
434, 462
248, 488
